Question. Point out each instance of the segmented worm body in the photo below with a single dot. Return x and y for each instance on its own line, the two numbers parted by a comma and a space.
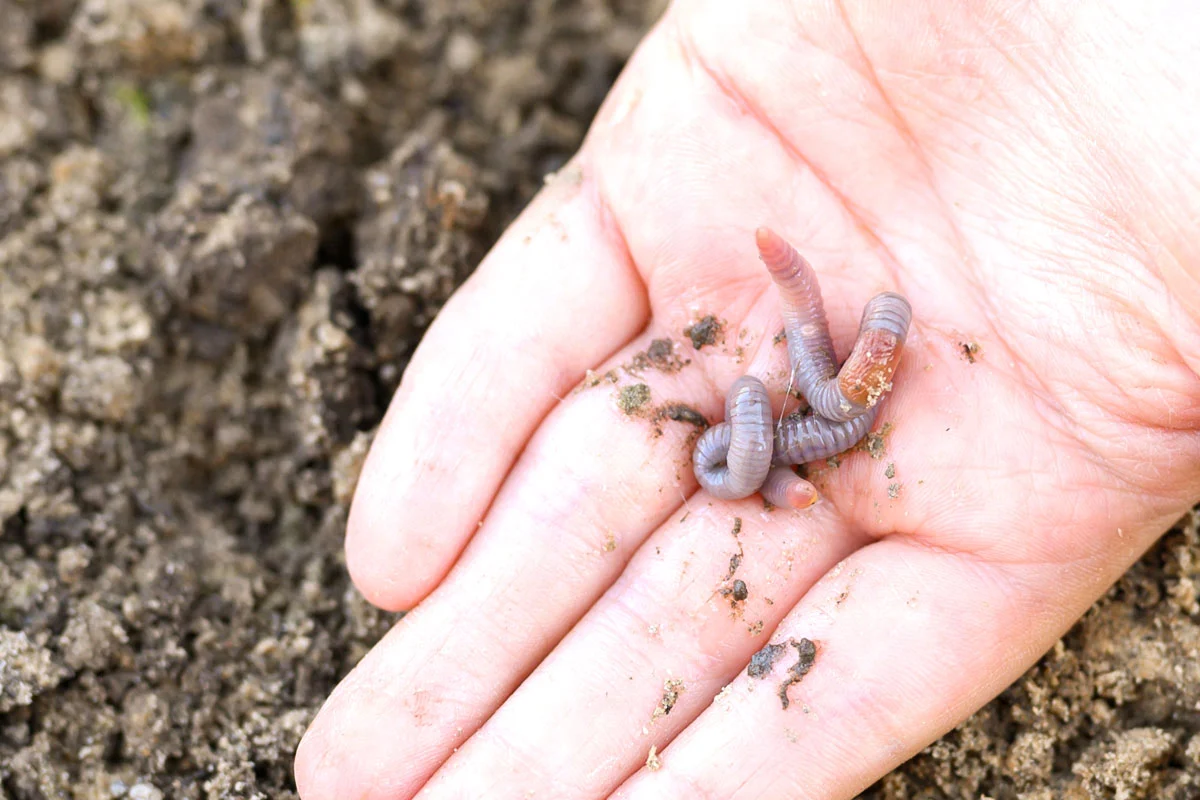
730, 459
799, 440
735, 455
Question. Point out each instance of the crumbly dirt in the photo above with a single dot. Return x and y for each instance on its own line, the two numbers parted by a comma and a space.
875, 442
762, 662
1110, 712
672, 688
806, 656
223, 228
660, 355
708, 330
633, 397
681, 412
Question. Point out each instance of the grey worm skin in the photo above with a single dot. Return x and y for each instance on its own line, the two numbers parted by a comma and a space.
735, 455
730, 459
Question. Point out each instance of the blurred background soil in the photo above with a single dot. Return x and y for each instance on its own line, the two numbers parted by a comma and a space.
224, 225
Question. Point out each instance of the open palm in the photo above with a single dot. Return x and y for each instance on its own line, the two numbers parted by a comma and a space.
1021, 175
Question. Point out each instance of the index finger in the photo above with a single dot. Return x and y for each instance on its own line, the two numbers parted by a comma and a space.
556, 296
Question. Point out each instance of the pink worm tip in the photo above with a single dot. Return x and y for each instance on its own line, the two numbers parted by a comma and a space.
780, 258
801, 494
772, 248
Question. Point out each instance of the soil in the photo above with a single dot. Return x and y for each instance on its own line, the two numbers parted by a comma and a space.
709, 330
633, 397
223, 228
806, 652
660, 356
764, 660
672, 688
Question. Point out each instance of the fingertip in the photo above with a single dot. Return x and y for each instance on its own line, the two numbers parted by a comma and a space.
341, 754
313, 781
381, 559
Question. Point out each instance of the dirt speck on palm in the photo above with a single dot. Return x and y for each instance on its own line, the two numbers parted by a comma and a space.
633, 397
806, 656
223, 229
708, 330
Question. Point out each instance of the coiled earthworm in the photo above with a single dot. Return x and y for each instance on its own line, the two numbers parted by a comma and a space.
730, 459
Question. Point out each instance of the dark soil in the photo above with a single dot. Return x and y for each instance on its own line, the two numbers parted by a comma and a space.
764, 660
709, 330
806, 656
224, 225
223, 228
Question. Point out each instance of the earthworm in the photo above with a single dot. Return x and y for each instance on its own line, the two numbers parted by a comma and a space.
799, 440
867, 374
736, 458
785, 488
732, 458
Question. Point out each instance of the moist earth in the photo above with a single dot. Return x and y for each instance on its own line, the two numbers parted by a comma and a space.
224, 226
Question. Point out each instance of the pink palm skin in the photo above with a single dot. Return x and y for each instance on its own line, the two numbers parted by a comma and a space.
1024, 174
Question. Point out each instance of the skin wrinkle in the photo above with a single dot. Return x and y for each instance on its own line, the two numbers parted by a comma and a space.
607, 222
742, 102
1092, 440
1108, 165
673, 635
610, 223
1079, 202
1145, 326
1032, 78
900, 124
674, 317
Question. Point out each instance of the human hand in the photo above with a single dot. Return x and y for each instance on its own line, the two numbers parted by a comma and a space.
1025, 176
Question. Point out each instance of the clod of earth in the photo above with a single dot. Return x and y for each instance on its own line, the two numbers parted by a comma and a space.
762, 661
705, 332
670, 696
807, 656
633, 397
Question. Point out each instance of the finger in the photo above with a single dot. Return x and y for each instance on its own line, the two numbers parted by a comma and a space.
700, 597
908, 642
555, 297
605, 469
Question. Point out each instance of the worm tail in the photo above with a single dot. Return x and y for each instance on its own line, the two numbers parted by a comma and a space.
785, 488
